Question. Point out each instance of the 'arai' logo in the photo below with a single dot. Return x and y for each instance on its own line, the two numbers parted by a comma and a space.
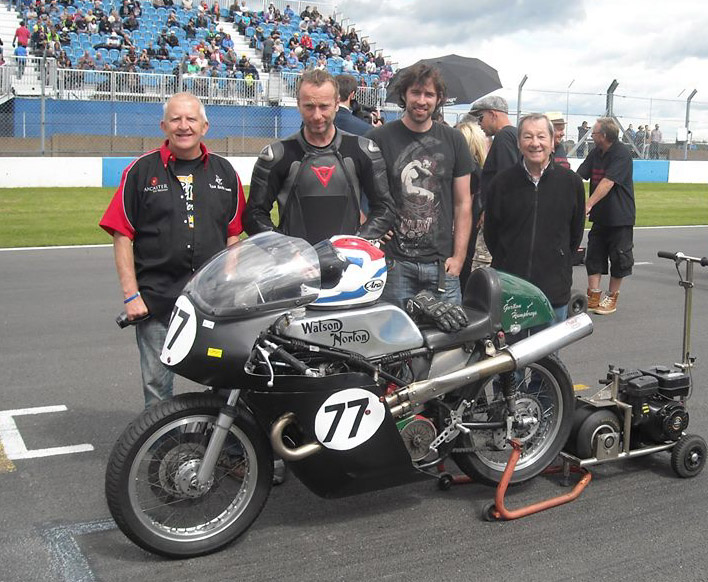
374, 285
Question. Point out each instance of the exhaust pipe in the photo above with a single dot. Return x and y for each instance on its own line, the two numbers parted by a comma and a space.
514, 357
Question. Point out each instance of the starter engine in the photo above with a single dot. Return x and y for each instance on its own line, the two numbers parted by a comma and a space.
657, 396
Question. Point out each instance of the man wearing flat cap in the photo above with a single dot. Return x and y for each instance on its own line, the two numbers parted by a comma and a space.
492, 113
560, 157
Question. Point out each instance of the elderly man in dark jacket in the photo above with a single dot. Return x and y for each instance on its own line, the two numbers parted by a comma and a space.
535, 215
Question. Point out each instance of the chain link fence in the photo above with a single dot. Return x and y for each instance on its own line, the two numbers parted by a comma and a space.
669, 114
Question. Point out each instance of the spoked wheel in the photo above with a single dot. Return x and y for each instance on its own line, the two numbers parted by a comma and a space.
544, 418
151, 478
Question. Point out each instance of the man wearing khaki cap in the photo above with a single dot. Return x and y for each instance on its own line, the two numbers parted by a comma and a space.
492, 114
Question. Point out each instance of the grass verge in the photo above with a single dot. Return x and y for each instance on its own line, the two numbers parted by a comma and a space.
69, 216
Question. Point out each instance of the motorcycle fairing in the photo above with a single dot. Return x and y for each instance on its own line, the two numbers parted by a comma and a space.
380, 462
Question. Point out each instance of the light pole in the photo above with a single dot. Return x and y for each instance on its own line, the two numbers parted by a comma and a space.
567, 101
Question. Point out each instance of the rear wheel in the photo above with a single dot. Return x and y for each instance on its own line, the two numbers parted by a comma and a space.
545, 402
150, 478
596, 426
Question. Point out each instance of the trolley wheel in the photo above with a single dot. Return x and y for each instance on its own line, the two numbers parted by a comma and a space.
578, 303
688, 457
445, 482
490, 513
600, 422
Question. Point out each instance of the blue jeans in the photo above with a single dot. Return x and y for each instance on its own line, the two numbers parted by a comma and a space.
406, 279
157, 379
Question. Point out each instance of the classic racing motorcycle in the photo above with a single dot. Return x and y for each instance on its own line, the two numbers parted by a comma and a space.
303, 362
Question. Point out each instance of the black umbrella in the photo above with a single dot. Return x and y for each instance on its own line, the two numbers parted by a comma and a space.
466, 79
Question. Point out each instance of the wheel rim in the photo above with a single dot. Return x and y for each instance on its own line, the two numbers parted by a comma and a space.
160, 482
541, 396
694, 458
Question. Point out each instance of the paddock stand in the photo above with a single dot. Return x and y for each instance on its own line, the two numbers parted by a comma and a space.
497, 510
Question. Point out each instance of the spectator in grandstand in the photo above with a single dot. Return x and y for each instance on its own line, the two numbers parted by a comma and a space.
104, 25
348, 65
20, 54
656, 137
144, 61
158, 3
611, 209
629, 135
227, 43
535, 215
187, 5
292, 61
162, 53
344, 118
124, 10
100, 63
159, 240
63, 61
86, 62
429, 167
202, 20
112, 42
230, 59
202, 61
267, 54
492, 113
190, 29
98, 8
131, 23
92, 24
172, 19
280, 62
559, 154
215, 11
172, 39
317, 175
289, 12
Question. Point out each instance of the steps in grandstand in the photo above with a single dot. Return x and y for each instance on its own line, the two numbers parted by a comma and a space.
28, 84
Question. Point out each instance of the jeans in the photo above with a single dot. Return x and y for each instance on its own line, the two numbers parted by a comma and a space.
406, 279
157, 379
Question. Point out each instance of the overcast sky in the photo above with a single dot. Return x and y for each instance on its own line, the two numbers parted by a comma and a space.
656, 49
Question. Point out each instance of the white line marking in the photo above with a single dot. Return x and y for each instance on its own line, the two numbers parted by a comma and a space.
14, 444
7, 249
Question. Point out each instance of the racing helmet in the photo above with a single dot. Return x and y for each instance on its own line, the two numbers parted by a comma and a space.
362, 279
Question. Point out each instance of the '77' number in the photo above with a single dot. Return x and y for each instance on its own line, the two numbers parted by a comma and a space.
339, 409
348, 418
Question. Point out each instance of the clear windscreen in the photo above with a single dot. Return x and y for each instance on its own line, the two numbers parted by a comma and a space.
264, 272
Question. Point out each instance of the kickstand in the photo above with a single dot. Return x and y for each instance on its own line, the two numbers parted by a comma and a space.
497, 511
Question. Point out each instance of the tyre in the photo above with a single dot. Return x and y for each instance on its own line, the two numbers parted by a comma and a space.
545, 398
688, 457
578, 303
598, 423
151, 468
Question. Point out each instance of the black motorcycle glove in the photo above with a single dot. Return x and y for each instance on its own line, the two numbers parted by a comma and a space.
445, 315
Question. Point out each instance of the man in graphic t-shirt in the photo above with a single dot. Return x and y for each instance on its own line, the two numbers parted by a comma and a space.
429, 167
175, 207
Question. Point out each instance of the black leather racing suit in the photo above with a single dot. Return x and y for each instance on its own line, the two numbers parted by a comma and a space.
318, 190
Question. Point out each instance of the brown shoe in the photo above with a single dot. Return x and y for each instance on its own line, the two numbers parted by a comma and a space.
608, 304
594, 299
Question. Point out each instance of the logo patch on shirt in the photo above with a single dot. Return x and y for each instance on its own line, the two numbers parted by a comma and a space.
324, 174
153, 181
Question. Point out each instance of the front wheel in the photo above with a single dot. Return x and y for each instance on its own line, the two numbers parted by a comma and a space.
152, 469
544, 403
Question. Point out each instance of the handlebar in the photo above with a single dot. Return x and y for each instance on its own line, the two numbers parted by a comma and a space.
123, 321
679, 256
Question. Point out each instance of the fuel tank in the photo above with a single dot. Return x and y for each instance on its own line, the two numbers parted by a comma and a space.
370, 331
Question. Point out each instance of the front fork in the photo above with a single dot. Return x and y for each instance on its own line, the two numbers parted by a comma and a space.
226, 417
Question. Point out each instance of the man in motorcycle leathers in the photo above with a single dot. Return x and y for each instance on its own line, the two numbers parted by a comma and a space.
318, 175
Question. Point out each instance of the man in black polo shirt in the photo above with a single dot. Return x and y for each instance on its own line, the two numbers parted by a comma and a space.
175, 207
612, 212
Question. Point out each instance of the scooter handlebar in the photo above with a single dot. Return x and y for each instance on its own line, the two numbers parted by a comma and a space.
681, 257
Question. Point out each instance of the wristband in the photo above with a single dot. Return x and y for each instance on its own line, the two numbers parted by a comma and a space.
129, 299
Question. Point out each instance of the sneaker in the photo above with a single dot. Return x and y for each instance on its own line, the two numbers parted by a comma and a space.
280, 471
594, 299
608, 304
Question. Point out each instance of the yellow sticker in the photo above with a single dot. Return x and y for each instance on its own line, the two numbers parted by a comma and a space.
214, 352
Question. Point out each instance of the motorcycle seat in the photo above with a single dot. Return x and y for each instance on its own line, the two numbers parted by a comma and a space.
482, 304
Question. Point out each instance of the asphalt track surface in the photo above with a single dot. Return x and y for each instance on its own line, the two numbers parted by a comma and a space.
60, 347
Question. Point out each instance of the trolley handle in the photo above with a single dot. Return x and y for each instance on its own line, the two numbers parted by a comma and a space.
679, 256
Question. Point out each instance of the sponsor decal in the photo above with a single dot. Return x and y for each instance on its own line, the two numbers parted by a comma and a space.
324, 174
153, 181
267, 154
154, 187
374, 285
214, 352
343, 338
519, 312
322, 326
